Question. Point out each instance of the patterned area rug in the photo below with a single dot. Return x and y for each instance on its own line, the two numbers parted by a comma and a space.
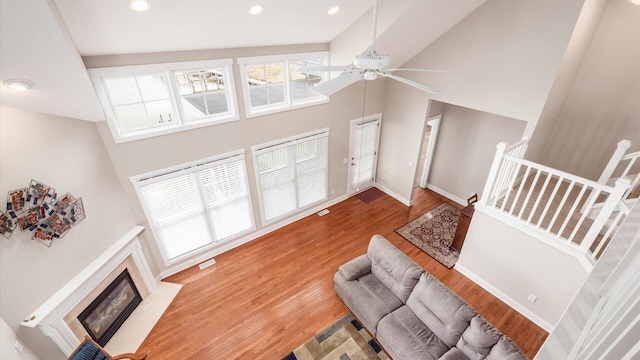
344, 340
433, 233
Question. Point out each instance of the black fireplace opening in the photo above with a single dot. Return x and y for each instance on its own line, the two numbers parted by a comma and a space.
104, 316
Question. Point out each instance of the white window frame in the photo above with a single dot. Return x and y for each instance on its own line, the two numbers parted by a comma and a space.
98, 75
257, 149
288, 104
158, 175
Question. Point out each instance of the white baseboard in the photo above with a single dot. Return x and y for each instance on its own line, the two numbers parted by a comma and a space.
447, 194
393, 194
506, 299
245, 239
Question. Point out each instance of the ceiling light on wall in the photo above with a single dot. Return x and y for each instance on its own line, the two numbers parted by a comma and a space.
255, 9
18, 84
139, 5
637, 2
333, 10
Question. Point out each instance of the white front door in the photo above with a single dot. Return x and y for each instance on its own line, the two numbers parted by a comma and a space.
363, 152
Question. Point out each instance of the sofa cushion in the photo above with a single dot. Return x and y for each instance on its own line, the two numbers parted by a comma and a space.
367, 298
404, 336
476, 341
444, 312
356, 267
394, 269
453, 354
506, 349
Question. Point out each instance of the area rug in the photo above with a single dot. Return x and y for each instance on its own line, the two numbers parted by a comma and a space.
370, 195
433, 233
344, 340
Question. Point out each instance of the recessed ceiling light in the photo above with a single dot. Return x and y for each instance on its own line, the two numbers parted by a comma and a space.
18, 84
637, 2
333, 10
255, 9
139, 5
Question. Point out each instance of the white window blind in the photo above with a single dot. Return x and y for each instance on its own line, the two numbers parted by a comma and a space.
291, 173
195, 206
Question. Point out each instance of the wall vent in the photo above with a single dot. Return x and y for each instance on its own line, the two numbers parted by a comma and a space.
206, 264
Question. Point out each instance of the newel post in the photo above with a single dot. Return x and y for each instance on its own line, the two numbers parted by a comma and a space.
493, 172
623, 146
610, 205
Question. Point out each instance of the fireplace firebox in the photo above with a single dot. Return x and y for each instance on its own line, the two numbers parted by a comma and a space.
104, 316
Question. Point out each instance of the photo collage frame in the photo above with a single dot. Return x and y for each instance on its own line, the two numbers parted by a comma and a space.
38, 209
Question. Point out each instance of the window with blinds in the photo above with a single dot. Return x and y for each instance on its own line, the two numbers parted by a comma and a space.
291, 173
191, 207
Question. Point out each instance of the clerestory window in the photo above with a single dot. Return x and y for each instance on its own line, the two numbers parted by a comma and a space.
149, 100
273, 83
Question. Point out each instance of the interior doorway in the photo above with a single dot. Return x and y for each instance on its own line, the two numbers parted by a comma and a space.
363, 152
427, 149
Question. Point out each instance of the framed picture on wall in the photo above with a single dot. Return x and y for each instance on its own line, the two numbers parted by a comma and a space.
30, 219
44, 236
17, 202
40, 193
7, 225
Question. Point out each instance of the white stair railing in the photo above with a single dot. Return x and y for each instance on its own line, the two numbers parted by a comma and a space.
548, 201
619, 158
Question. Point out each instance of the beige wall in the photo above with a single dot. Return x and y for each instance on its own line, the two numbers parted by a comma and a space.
405, 110
502, 58
137, 157
68, 155
602, 105
466, 146
513, 265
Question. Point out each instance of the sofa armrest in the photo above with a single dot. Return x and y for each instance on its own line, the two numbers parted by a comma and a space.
356, 267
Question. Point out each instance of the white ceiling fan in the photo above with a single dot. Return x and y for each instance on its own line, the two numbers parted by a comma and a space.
364, 67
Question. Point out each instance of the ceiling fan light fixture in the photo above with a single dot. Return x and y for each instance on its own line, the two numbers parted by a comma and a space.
370, 75
18, 84
256, 9
139, 5
335, 9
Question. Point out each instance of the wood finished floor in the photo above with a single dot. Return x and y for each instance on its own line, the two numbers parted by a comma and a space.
265, 298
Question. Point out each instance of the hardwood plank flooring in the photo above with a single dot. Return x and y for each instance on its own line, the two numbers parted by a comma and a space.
265, 298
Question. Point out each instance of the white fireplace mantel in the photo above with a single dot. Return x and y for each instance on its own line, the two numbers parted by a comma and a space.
49, 316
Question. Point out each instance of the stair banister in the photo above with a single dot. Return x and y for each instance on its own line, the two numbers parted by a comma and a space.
498, 175
600, 221
623, 146
493, 172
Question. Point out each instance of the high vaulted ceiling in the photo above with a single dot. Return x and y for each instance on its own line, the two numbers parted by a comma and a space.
43, 40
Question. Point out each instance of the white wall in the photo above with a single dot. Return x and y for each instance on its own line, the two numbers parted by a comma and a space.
7, 340
68, 155
512, 265
602, 105
502, 58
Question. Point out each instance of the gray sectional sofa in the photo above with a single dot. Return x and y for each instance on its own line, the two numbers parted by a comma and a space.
412, 314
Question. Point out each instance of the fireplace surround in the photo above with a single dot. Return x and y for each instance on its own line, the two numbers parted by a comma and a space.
52, 317
104, 316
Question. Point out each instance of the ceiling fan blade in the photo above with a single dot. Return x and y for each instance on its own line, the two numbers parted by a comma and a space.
424, 70
411, 83
308, 69
332, 86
